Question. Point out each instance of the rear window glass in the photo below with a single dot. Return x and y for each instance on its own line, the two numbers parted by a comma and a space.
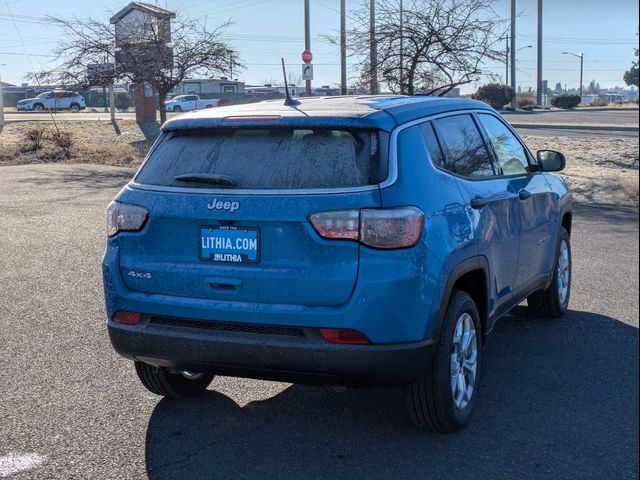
267, 158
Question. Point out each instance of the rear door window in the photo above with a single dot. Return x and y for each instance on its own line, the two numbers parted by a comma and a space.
466, 153
268, 158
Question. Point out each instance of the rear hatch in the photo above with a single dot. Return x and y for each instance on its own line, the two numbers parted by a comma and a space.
229, 207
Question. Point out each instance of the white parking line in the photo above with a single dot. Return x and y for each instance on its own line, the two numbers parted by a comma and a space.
14, 463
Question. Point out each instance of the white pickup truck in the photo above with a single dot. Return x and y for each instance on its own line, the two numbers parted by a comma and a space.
186, 103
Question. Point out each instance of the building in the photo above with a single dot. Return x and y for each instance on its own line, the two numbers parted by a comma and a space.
210, 87
271, 91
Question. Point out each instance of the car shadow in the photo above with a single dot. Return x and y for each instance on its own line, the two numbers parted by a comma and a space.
559, 399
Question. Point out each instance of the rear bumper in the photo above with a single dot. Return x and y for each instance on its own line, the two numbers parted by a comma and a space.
302, 357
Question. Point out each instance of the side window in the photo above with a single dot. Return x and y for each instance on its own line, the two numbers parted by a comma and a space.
509, 151
435, 152
465, 151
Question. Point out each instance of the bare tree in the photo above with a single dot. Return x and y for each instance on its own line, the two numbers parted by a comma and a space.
145, 56
445, 43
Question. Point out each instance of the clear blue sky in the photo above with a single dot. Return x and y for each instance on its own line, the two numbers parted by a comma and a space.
263, 31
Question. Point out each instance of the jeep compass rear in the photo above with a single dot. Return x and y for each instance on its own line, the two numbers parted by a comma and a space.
289, 244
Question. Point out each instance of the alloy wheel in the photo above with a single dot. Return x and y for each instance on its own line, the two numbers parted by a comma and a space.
563, 272
464, 361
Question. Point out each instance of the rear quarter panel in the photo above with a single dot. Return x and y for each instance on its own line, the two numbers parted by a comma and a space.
447, 236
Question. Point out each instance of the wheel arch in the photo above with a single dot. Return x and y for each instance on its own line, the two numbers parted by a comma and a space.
472, 277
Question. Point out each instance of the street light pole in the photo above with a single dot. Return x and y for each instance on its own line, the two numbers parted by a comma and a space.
581, 57
581, 73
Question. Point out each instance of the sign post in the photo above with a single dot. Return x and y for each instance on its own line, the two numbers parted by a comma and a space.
307, 68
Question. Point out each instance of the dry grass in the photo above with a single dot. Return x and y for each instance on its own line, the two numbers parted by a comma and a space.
599, 169
78, 142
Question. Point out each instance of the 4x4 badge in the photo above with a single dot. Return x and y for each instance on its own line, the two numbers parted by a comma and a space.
221, 205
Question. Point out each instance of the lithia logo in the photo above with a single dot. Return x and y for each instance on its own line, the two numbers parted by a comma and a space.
222, 205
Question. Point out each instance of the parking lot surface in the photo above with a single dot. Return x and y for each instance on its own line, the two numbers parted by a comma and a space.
559, 399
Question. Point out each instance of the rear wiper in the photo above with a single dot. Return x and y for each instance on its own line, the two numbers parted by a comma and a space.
208, 179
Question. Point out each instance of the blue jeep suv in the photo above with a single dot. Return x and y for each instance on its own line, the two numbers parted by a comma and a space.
342, 241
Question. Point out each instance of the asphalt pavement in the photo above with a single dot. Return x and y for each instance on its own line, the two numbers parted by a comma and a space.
558, 399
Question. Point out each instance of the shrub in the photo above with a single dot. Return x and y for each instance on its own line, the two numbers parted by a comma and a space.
566, 101
495, 94
599, 103
62, 140
525, 102
33, 139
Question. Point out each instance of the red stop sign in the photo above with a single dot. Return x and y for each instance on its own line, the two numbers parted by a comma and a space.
307, 56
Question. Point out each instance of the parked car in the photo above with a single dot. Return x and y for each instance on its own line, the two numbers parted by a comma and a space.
187, 103
54, 100
352, 240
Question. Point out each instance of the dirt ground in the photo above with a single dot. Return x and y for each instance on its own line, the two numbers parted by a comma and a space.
602, 170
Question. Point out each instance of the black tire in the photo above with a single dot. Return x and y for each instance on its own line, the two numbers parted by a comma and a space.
177, 108
548, 303
430, 400
74, 107
38, 107
161, 381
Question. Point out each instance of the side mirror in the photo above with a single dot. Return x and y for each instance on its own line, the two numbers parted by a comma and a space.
551, 161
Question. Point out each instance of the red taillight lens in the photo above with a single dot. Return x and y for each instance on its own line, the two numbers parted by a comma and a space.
344, 336
391, 227
385, 228
127, 318
122, 217
344, 224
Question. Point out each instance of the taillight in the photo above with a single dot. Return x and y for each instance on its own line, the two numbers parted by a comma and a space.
127, 318
344, 336
385, 228
122, 217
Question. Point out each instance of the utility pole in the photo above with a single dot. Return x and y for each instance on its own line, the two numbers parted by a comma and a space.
539, 88
401, 48
307, 39
514, 100
506, 61
343, 47
373, 58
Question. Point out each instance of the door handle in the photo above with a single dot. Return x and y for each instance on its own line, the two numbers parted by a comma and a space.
524, 195
479, 202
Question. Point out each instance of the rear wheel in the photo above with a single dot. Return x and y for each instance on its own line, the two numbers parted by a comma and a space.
442, 400
554, 301
162, 381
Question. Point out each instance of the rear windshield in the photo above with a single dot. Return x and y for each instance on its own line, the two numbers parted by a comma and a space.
267, 158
